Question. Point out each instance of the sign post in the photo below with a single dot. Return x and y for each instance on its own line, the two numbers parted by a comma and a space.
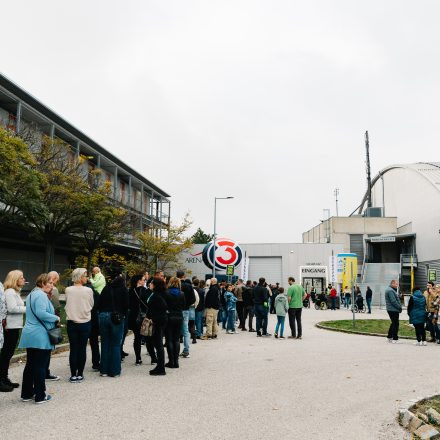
432, 275
230, 271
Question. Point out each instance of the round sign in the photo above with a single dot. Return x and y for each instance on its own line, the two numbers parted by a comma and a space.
227, 253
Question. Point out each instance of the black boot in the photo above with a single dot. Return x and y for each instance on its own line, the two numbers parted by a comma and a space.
4, 387
7, 381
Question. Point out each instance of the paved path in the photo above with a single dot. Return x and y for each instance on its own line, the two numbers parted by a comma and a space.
327, 386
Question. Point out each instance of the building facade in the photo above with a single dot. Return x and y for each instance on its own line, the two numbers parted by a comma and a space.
20, 113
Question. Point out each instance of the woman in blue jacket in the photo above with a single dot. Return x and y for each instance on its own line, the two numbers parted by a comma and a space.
35, 340
417, 315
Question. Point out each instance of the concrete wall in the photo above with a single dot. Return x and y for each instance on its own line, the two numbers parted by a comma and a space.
413, 200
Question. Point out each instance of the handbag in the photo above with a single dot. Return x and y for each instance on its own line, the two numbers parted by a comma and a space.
141, 315
55, 335
115, 317
147, 324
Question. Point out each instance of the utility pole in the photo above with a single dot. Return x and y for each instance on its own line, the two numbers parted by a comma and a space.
367, 163
336, 193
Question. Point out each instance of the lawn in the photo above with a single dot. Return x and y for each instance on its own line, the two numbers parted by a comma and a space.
369, 326
63, 328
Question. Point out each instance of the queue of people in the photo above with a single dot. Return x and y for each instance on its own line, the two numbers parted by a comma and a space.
156, 309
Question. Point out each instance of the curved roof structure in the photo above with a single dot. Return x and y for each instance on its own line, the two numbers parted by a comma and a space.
428, 170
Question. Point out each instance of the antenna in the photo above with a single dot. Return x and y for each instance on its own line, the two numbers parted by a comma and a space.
367, 163
336, 194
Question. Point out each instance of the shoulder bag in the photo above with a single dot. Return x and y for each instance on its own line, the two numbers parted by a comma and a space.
55, 336
146, 324
115, 317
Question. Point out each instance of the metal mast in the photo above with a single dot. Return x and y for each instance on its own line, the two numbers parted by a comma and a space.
336, 193
367, 163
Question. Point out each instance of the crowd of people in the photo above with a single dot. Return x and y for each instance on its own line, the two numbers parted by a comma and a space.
423, 311
162, 312
176, 309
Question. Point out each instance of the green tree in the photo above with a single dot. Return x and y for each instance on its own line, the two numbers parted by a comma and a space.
19, 181
63, 191
201, 237
102, 221
160, 248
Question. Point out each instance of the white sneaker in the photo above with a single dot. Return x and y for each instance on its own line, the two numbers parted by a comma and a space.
424, 343
390, 340
395, 342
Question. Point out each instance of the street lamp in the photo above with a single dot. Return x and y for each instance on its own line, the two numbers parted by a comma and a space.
215, 226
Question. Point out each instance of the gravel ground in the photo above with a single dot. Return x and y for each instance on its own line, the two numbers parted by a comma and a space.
326, 386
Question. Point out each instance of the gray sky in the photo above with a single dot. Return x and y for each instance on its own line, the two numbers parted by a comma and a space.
267, 101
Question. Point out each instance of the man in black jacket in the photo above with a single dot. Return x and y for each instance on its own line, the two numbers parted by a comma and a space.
212, 304
261, 298
190, 299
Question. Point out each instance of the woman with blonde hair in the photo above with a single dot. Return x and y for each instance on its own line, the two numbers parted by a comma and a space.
79, 304
15, 309
40, 317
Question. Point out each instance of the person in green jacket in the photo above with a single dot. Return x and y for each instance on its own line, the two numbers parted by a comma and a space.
98, 280
295, 297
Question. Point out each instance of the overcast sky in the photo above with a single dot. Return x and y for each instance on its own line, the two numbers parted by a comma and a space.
267, 101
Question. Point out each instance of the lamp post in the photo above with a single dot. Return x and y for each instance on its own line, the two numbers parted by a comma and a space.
215, 226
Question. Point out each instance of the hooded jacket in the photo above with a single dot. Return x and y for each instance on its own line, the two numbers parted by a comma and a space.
417, 308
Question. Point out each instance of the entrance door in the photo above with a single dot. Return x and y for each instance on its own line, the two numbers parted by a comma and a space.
317, 283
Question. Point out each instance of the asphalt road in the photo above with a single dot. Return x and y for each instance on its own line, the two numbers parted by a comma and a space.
326, 386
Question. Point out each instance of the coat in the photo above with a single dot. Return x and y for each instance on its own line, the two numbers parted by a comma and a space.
281, 304
34, 335
417, 308
392, 300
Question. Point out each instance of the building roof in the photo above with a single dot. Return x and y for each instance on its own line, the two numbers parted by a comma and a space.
33, 102
428, 170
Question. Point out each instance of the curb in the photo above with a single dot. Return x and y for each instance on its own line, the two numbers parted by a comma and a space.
354, 332
417, 426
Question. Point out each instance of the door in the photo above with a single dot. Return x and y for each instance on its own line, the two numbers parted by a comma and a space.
269, 268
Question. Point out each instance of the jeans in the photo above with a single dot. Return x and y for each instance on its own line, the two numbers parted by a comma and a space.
78, 336
34, 374
199, 323
369, 304
172, 338
248, 311
432, 328
394, 327
231, 321
94, 342
125, 331
223, 317
111, 340
347, 302
295, 318
280, 324
9, 346
185, 331
420, 332
333, 303
261, 317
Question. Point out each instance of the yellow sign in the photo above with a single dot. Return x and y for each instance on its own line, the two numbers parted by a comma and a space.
347, 270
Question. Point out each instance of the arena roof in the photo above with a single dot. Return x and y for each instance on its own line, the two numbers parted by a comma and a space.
428, 170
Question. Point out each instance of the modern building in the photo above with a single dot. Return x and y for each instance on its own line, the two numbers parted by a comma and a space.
398, 234
20, 112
